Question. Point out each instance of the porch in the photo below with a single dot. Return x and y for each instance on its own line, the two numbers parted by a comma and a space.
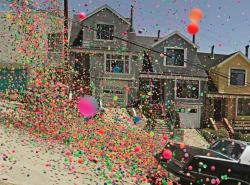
228, 111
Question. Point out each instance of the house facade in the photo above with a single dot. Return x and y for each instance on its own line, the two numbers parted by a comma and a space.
102, 62
176, 77
228, 97
114, 70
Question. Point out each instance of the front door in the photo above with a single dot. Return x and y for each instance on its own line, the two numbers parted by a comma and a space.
218, 109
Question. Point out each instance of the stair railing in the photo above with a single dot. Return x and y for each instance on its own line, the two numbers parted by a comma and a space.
213, 124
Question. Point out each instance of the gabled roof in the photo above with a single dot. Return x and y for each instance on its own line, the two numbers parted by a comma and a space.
232, 56
110, 9
172, 34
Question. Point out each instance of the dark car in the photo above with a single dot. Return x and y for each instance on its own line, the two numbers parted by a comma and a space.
226, 162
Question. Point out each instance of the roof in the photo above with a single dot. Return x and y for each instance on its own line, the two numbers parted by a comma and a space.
207, 60
234, 55
110, 9
146, 41
172, 34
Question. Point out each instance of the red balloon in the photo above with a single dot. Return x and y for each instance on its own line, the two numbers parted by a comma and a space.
81, 16
167, 154
193, 28
195, 15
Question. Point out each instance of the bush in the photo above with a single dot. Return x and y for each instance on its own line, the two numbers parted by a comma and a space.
210, 135
242, 137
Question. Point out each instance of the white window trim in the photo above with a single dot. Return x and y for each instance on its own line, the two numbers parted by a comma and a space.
236, 107
175, 90
95, 32
129, 63
185, 57
229, 74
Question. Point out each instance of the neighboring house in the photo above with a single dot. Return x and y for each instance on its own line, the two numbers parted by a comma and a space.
228, 97
118, 69
104, 63
31, 40
177, 76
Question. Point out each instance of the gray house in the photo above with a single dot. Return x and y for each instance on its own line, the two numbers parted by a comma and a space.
117, 71
104, 63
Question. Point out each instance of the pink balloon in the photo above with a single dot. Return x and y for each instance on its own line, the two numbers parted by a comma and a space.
82, 15
167, 154
87, 106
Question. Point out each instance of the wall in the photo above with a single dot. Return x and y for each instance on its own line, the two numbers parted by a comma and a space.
238, 62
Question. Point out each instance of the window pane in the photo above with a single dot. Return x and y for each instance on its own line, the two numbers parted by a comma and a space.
118, 63
243, 107
175, 57
187, 89
105, 31
107, 65
126, 66
237, 77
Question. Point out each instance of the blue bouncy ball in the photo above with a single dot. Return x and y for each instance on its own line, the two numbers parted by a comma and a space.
137, 119
117, 69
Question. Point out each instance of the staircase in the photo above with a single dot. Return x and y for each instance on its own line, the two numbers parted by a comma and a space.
222, 124
161, 128
219, 124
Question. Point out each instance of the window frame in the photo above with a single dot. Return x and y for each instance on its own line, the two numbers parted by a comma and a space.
175, 90
229, 80
237, 106
175, 48
124, 55
103, 23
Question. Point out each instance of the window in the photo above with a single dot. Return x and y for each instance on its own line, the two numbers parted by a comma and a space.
175, 57
55, 41
243, 107
237, 76
187, 89
105, 32
117, 63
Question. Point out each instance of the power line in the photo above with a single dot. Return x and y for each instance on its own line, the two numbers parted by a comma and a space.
159, 52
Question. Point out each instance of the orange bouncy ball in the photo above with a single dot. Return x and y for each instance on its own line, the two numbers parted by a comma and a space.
195, 15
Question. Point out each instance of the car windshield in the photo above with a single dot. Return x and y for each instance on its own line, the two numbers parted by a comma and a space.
228, 148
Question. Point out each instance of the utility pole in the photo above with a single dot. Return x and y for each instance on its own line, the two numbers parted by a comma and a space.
66, 46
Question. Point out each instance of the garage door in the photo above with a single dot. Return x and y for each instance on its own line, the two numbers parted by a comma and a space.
111, 97
189, 116
12, 79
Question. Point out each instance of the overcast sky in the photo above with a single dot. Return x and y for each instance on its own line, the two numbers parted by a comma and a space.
226, 23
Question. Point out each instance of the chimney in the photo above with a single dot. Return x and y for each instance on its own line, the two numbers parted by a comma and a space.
247, 49
158, 35
212, 52
131, 29
194, 38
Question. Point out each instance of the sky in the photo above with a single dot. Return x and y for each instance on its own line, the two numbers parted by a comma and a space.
226, 23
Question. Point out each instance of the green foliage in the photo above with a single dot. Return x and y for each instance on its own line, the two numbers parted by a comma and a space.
242, 137
210, 135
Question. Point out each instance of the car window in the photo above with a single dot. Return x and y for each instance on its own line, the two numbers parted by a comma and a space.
228, 148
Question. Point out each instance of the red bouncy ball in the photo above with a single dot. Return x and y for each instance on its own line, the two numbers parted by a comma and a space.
81, 16
195, 15
193, 28
167, 154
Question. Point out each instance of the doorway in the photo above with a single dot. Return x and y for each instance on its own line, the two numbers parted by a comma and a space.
219, 112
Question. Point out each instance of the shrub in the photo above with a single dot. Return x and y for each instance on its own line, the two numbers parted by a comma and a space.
210, 135
242, 137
